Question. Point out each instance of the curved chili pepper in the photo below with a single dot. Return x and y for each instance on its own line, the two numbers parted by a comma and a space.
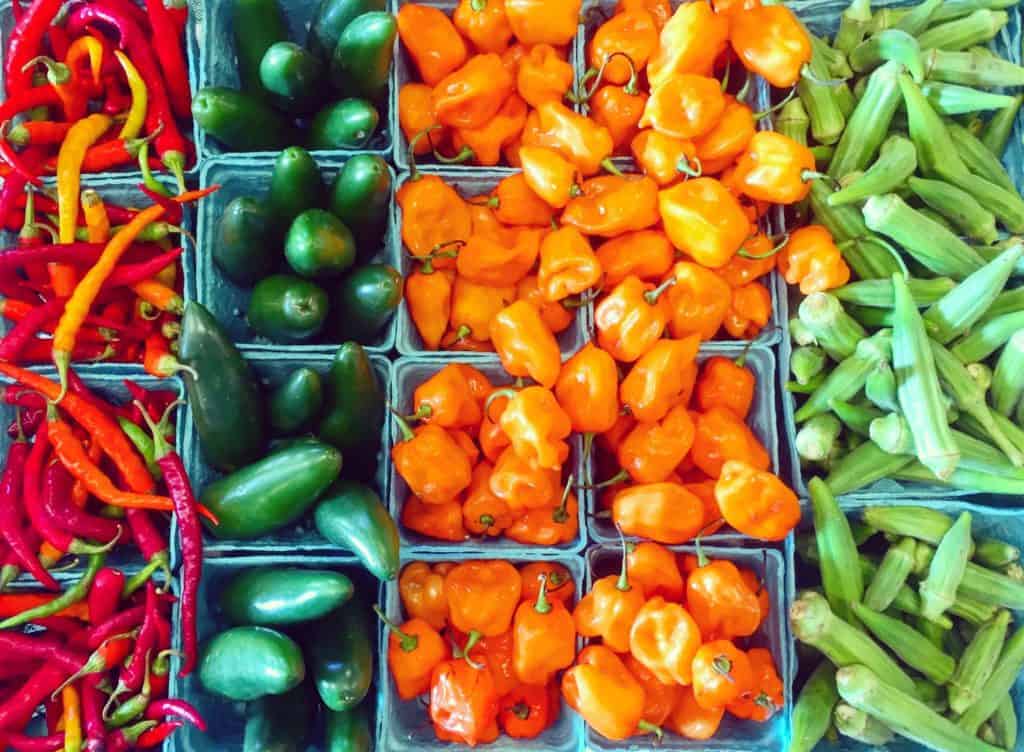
24, 331
166, 44
17, 710
157, 735
42, 506
105, 594
120, 623
176, 708
74, 594
8, 155
25, 42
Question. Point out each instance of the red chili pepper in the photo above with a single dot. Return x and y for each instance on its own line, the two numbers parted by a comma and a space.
92, 713
105, 594
22, 743
20, 336
9, 156
151, 544
40, 648
59, 510
166, 42
159, 709
26, 42
59, 41
16, 711
41, 351
133, 674
120, 623
116, 97
157, 734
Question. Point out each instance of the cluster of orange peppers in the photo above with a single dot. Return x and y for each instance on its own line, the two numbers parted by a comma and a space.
668, 657
486, 461
487, 642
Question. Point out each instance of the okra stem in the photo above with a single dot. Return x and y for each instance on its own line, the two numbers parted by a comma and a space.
816, 439
880, 389
885, 46
976, 28
834, 330
806, 362
859, 726
997, 554
854, 23
918, 17
855, 417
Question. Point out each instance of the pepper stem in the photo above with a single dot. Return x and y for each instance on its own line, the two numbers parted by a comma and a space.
741, 95
56, 73
147, 174
651, 296
617, 478
723, 666
86, 549
461, 333
62, 360
543, 605
491, 202
478, 5
159, 430
650, 728
702, 558
742, 252
406, 641
472, 639
775, 107
683, 166
159, 560
423, 412
403, 425
807, 73
414, 173
520, 710
507, 392
630, 87
623, 583
465, 154
807, 175
175, 162
609, 166
561, 513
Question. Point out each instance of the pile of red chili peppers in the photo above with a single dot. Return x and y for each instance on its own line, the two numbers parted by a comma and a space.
81, 477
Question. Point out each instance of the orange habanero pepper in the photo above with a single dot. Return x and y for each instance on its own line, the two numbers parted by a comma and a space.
633, 35
704, 220
690, 42
489, 261
765, 698
549, 175
433, 465
720, 601
646, 254
576, 137
631, 318
749, 311
663, 512
619, 109
470, 96
727, 139
721, 674
603, 691
441, 521
519, 205
433, 214
474, 306
659, 380
463, 703
697, 302
555, 316
775, 168
728, 7
659, 698
660, 10
722, 436
755, 502
445, 400
742, 270
771, 42
558, 581
416, 115
654, 569
526, 347
610, 608
499, 655
526, 711
652, 451
429, 297
587, 389
691, 721
611, 205
663, 158
728, 383
536, 425
522, 484
482, 597
484, 23
483, 513
433, 42
545, 638
415, 649
544, 21
421, 588
664, 638
487, 140
684, 106
543, 76
811, 259
548, 526
568, 265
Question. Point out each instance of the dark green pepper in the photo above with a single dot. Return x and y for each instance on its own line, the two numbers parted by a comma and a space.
295, 185
292, 76
340, 654
273, 596
256, 25
362, 57
360, 197
273, 492
240, 121
279, 723
287, 309
348, 124
355, 410
224, 399
331, 19
364, 301
353, 517
295, 403
319, 245
249, 662
245, 249
349, 730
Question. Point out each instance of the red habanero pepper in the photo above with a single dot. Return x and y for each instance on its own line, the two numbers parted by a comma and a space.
166, 43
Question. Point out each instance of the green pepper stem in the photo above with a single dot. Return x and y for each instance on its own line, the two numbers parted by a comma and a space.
683, 166
619, 477
471, 641
623, 582
160, 560
702, 558
423, 412
651, 296
543, 605
403, 425
775, 107
159, 430
758, 256
609, 166
465, 154
406, 641
507, 392
414, 173
560, 514
520, 710
650, 728
56, 73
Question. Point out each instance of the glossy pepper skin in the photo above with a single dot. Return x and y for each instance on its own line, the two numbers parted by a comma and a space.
555, 316
483, 596
619, 109
660, 379
558, 580
724, 382
720, 602
722, 436
631, 319
416, 114
434, 44
660, 10
543, 76
484, 513
665, 512
654, 569
550, 525
691, 721
749, 311
433, 214
651, 452
523, 484
576, 137
421, 587
602, 690
659, 698
484, 24
475, 305
719, 147
545, 638
646, 254
690, 42
497, 261
568, 265
473, 94
415, 649
549, 175
537, 426
609, 610
698, 301
441, 521
526, 347
664, 638
445, 400
463, 703
721, 674
518, 205
755, 502
632, 33
526, 711
773, 168
771, 42
611, 205
685, 106
543, 21
587, 390
704, 220
663, 158
765, 697
813, 260
488, 140
430, 461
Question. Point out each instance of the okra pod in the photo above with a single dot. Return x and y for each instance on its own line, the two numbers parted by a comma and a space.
859, 726
812, 712
953, 99
837, 551
869, 124
1008, 378
990, 552
1005, 203
891, 575
1003, 677
971, 610
936, 154
958, 206
963, 479
977, 663
816, 439
995, 588
951, 9
892, 434
833, 329
863, 466
938, 590
793, 121
1000, 125
934, 216
847, 378
873, 318
953, 645
972, 69
964, 305
930, 244
977, 158
930, 693
799, 333
880, 389
847, 104
887, 18
917, 18
885, 46
877, 293
977, 28
844, 222
897, 160
988, 337
933, 634
814, 623
1005, 302
870, 257
806, 362
897, 708
855, 417
854, 23
810, 387
1004, 724
835, 61
827, 121
929, 525
822, 154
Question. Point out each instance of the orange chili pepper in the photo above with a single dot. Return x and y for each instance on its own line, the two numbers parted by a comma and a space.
12, 604
493, 440
659, 381
470, 96
475, 305
587, 389
721, 674
549, 175
488, 261
728, 138
559, 584
698, 301
544, 21
484, 23
619, 109
664, 639
653, 568
549, 526
690, 42
421, 588
602, 690
523, 484
612, 438
631, 33
765, 698
543, 76
663, 158
526, 347
433, 215
741, 270
568, 265
631, 318
555, 316
488, 139
755, 502
496, 652
463, 703
646, 254
730, 178
685, 106
720, 601
482, 597
433, 42
415, 649
659, 698
749, 311
724, 382
525, 711
722, 436
519, 205
663, 512
429, 297
775, 168
771, 42
483, 513
545, 638
536, 425
811, 259
479, 385
756, 586
441, 521
612, 205
513, 57
651, 451
704, 220
431, 463
445, 400
691, 721
416, 115
576, 137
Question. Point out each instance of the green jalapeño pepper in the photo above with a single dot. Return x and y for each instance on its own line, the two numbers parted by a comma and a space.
273, 492
362, 56
349, 730
331, 19
273, 596
279, 723
360, 197
245, 663
340, 655
355, 410
240, 121
348, 124
364, 301
352, 516
295, 185
319, 245
287, 309
222, 394
292, 76
296, 402
245, 249
256, 24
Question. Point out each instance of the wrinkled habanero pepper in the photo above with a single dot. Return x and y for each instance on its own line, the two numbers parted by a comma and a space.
775, 168
549, 175
445, 400
568, 265
603, 691
685, 106
811, 259
720, 601
704, 220
654, 569
721, 674
543, 76
484, 24
749, 311
771, 42
646, 254
663, 512
434, 44
474, 305
698, 301
609, 609
588, 391
470, 96
433, 215
723, 436
482, 597
441, 521
631, 318
651, 452
523, 484
664, 639
430, 461
544, 21
545, 638
755, 502
421, 587
663, 158
536, 425
526, 347
633, 34
576, 137
660, 379
610, 205
765, 698
690, 42
727, 383
463, 703
487, 140
414, 650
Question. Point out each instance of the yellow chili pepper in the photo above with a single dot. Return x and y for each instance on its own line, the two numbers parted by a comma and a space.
96, 220
140, 98
82, 135
86, 45
72, 718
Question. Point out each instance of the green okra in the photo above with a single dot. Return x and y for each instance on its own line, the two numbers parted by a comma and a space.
847, 103
877, 293
814, 622
891, 575
847, 378
806, 362
897, 160
938, 589
810, 387
999, 127
1008, 300
887, 18
990, 552
816, 439
843, 222
1004, 723
799, 333
863, 466
972, 69
952, 99
841, 576
965, 305
822, 154
868, 126
870, 257
933, 634
872, 318
1006, 204
934, 216
976, 28
918, 17
1008, 377
855, 417
962, 478
931, 245
812, 711
936, 155
977, 158
891, 45
859, 726
854, 23
880, 389
958, 206
833, 329
929, 692
793, 121
988, 337
827, 121
1003, 677
951, 9
971, 610
892, 434
835, 60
